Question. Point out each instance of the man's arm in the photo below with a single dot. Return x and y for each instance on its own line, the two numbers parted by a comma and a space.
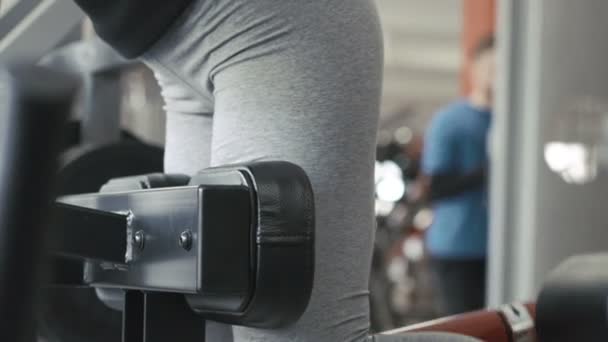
440, 186
447, 185
439, 163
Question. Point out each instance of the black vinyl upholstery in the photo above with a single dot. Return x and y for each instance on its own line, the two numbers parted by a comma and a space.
283, 244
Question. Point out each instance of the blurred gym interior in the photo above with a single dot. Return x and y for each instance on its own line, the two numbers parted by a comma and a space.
546, 271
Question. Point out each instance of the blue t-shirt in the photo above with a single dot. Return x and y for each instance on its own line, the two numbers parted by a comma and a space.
456, 142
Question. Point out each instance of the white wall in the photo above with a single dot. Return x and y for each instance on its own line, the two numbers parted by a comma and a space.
423, 54
553, 53
575, 66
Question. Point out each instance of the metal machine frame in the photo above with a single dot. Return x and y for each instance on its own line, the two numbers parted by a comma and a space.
32, 28
166, 241
157, 252
165, 254
34, 31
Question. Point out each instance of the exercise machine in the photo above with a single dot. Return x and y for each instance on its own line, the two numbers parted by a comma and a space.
232, 244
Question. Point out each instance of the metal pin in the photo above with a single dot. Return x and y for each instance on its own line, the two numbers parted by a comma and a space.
185, 240
139, 239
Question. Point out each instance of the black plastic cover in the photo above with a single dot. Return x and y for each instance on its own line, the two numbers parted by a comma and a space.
573, 304
282, 244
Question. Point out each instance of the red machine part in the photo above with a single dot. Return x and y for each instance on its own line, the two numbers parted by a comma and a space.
489, 325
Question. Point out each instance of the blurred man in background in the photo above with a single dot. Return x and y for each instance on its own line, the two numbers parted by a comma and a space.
454, 166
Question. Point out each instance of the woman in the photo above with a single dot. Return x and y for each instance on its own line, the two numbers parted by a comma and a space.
292, 80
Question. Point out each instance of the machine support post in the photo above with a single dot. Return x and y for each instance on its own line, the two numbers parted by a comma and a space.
160, 317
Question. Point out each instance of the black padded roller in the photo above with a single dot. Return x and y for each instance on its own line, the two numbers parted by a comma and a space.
282, 244
573, 305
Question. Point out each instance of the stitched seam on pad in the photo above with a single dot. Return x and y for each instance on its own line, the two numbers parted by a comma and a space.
284, 239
